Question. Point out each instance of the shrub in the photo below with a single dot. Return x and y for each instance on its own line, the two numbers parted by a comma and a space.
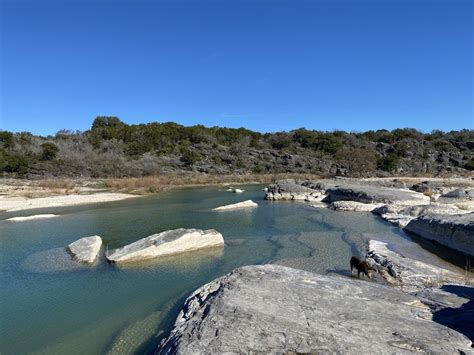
469, 165
357, 160
14, 163
189, 157
280, 140
387, 163
49, 151
6, 139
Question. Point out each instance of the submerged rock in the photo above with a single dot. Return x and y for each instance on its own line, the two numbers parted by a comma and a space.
273, 308
455, 231
238, 191
29, 218
86, 250
238, 205
167, 243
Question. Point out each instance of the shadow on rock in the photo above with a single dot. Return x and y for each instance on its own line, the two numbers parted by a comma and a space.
460, 319
341, 272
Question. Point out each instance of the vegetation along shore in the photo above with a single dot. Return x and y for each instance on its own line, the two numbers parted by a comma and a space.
114, 149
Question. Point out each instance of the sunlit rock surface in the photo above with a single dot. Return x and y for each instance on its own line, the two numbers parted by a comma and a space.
167, 243
238, 205
273, 308
86, 250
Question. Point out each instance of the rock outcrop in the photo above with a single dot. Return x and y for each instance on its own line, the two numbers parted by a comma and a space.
402, 215
167, 243
458, 194
291, 190
353, 206
409, 274
455, 231
86, 250
369, 194
238, 205
273, 309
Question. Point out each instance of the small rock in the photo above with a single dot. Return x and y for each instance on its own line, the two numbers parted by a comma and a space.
239, 205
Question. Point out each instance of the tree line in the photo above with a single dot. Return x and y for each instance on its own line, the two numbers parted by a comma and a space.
112, 148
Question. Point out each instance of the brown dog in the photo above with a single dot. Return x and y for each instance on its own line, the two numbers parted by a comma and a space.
361, 266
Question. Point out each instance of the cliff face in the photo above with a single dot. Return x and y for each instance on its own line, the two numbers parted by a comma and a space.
273, 308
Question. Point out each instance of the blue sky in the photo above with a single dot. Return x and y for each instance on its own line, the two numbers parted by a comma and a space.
265, 65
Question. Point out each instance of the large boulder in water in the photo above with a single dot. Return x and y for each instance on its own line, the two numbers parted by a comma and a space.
276, 309
86, 250
167, 243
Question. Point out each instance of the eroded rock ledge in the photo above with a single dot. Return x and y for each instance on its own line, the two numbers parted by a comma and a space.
273, 308
455, 231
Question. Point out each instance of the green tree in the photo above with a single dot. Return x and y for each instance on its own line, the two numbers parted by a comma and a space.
14, 163
189, 157
388, 163
6, 139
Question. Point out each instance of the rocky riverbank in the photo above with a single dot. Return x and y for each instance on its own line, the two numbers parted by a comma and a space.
441, 210
273, 308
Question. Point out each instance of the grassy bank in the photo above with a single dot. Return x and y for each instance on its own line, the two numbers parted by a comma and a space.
139, 186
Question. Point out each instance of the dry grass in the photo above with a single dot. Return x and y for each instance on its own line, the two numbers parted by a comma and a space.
140, 186
462, 206
428, 193
154, 184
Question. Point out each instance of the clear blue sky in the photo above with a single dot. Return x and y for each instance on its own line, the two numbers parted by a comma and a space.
265, 65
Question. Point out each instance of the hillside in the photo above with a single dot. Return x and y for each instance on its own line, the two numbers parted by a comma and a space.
112, 148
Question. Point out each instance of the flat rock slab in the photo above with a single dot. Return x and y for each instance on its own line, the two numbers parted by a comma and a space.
238, 205
370, 194
167, 243
273, 308
453, 231
86, 250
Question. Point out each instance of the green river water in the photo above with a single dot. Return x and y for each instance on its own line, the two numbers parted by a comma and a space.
51, 306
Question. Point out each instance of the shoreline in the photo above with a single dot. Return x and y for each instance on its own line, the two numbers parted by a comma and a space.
16, 204
20, 195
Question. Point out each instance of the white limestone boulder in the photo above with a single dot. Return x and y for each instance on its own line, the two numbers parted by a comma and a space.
167, 243
86, 250
238, 205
